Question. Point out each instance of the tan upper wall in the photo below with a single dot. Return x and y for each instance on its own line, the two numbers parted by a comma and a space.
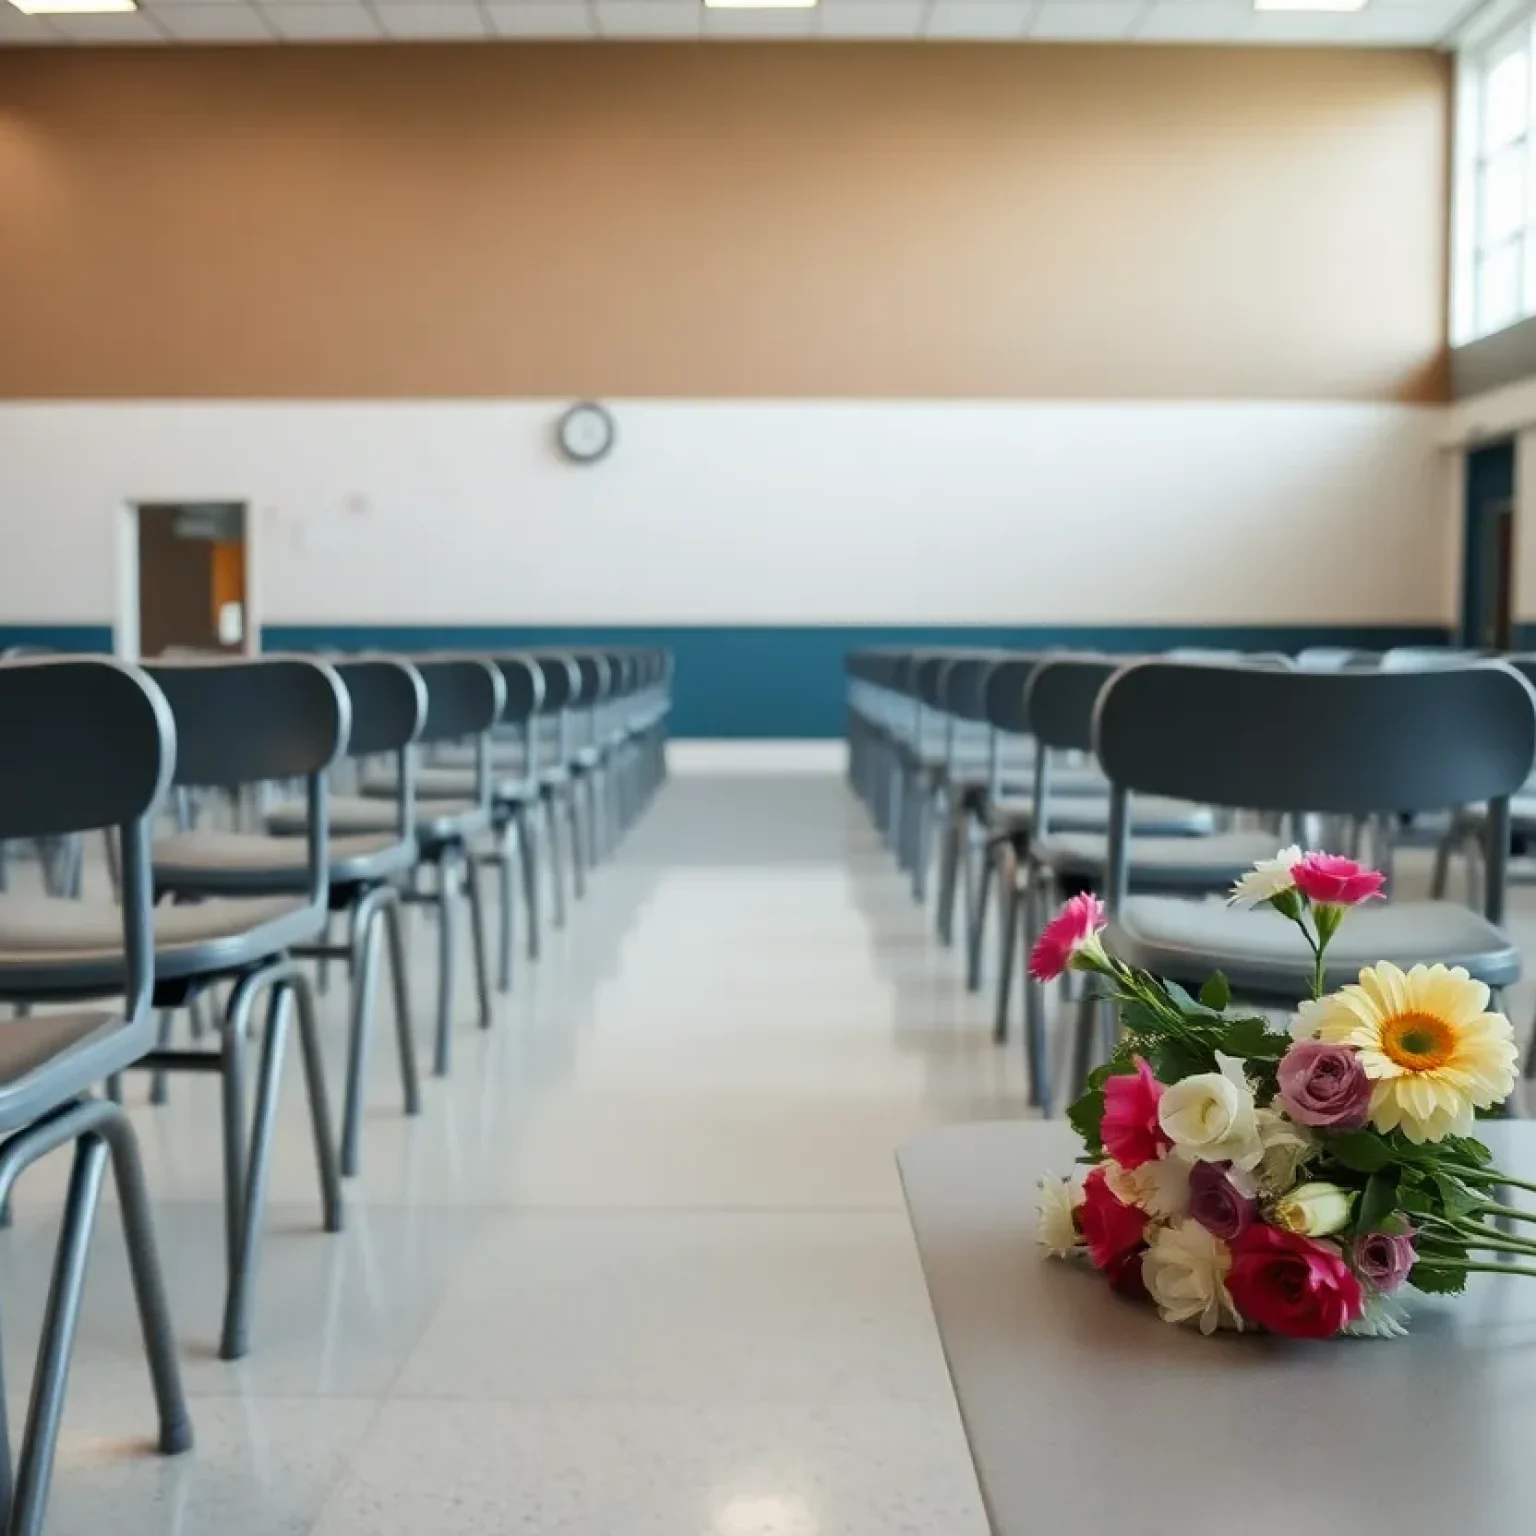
811, 220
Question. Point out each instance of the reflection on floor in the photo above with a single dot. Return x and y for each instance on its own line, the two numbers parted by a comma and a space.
642, 1265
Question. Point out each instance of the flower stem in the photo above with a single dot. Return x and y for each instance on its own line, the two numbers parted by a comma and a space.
1493, 1208
1489, 1176
1480, 1269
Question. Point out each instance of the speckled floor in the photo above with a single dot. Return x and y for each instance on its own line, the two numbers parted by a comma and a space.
642, 1264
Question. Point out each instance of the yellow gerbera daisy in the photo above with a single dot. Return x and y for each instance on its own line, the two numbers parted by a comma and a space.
1427, 1042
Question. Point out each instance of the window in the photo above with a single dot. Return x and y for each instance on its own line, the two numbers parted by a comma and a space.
1495, 233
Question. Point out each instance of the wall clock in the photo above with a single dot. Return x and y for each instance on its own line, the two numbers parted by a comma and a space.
585, 432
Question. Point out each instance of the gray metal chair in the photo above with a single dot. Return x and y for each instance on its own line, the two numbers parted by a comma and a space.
1349, 744
514, 794
89, 744
388, 707
1206, 860
464, 700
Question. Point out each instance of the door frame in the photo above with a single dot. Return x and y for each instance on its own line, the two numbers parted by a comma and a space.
1481, 516
125, 605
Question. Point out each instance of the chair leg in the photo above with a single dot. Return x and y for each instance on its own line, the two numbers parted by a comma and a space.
319, 1101
977, 935
1036, 1035
579, 858
949, 878
405, 1035
148, 1286
505, 885
1443, 850
367, 917
232, 1086
159, 1079
1009, 933
235, 1340
477, 937
553, 813
34, 1466
447, 904
527, 851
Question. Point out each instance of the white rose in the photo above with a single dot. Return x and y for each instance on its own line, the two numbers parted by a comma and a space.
1056, 1227
1185, 1270
1210, 1117
1159, 1187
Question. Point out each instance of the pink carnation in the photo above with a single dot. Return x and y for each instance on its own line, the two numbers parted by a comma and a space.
1129, 1127
1076, 926
1332, 880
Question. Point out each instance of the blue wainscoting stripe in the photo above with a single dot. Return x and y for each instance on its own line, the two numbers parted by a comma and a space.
775, 681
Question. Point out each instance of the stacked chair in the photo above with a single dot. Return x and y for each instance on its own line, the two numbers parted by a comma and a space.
298, 800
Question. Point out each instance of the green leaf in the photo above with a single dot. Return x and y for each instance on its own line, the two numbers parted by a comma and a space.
1216, 994
1085, 1117
1378, 1202
1457, 1199
1172, 1060
1361, 1151
1187, 1004
1416, 1200
1469, 1150
1252, 1038
1437, 1282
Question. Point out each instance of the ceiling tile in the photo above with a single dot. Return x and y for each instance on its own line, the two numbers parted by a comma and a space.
230, 21
1193, 21
431, 18
114, 27
321, 20
871, 18
16, 28
540, 18
801, 23
1086, 19
649, 18
1412, 25
978, 18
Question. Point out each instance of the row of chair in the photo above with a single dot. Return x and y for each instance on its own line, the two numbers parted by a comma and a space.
526, 754
1159, 781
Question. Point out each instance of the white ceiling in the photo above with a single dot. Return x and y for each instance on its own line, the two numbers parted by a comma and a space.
1381, 23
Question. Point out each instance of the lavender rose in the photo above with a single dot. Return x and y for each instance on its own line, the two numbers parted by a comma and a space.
1218, 1204
1324, 1085
1383, 1259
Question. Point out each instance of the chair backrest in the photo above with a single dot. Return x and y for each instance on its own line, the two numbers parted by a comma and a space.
246, 721
1003, 693
523, 682
89, 743
1347, 743
389, 711
465, 696
1059, 703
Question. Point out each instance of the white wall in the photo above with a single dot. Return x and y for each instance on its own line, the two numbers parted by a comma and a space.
743, 512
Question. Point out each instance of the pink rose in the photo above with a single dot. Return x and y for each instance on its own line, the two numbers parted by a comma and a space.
1129, 1128
1292, 1285
1075, 928
1334, 881
1324, 1085
1111, 1229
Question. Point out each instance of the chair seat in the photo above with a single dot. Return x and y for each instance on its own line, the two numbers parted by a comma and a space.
437, 821
66, 1052
1151, 816
506, 757
446, 784
1263, 956
76, 947
253, 864
1190, 864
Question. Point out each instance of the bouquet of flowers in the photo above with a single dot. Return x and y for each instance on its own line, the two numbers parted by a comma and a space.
1244, 1178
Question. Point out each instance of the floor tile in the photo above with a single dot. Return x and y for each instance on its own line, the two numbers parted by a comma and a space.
479, 1469
686, 1309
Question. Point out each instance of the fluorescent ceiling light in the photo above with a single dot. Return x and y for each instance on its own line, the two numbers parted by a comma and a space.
1309, 5
759, 5
74, 7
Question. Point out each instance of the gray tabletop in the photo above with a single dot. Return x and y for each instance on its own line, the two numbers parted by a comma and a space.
1086, 1413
